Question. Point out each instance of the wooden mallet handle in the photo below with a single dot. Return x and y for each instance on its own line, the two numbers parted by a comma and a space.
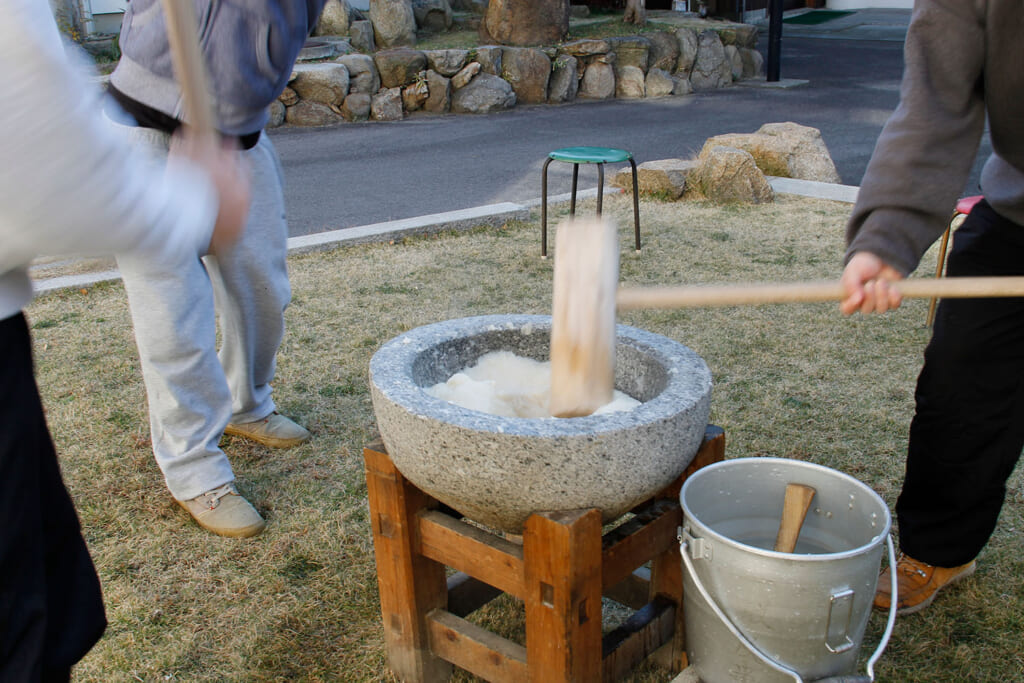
794, 509
829, 290
183, 37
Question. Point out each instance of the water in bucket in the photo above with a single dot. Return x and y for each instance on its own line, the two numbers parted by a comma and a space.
802, 614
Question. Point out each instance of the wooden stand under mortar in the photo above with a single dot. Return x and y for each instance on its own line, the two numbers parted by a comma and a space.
561, 571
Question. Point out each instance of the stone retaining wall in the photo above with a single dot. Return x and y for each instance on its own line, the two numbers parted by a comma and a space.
345, 84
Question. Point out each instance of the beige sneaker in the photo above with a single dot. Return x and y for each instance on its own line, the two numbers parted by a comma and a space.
275, 431
225, 512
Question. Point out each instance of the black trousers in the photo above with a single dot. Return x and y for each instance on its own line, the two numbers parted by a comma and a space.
968, 431
51, 608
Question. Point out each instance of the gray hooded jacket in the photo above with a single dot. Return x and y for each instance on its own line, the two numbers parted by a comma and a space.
249, 46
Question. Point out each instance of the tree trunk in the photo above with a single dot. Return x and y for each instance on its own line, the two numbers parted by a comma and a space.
636, 12
525, 22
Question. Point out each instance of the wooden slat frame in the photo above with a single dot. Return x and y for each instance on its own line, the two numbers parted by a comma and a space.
410, 584
476, 649
634, 591
472, 550
562, 552
649, 628
467, 594
560, 572
650, 533
667, 568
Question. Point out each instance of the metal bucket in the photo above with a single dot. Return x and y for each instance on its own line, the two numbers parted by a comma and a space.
756, 615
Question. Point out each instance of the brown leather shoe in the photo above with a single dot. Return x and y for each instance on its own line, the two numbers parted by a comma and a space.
918, 583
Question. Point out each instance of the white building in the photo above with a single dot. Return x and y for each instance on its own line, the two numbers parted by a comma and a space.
106, 14
89, 17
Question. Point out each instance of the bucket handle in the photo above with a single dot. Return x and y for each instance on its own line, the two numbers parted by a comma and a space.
685, 539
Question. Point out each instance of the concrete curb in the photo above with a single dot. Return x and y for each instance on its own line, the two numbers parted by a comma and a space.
781, 84
462, 219
814, 189
74, 281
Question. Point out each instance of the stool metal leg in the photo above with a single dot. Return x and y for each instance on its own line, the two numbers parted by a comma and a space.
572, 201
544, 210
600, 187
636, 206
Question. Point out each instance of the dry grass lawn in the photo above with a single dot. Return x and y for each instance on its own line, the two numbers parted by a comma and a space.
300, 601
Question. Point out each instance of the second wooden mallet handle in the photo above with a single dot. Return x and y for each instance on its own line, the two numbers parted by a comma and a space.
795, 292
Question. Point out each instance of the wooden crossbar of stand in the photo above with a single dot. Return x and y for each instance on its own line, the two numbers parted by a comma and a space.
560, 572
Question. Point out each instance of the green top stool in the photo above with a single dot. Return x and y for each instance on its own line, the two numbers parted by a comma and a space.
585, 155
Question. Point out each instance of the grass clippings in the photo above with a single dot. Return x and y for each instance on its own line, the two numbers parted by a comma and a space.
300, 601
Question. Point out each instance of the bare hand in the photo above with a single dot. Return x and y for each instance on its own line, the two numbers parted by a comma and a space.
230, 178
867, 281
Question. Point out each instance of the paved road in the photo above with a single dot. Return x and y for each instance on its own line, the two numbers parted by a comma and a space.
358, 174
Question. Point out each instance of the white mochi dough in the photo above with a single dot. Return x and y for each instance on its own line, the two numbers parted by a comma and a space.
502, 383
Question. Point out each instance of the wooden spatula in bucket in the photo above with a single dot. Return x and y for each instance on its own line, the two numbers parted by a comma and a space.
794, 510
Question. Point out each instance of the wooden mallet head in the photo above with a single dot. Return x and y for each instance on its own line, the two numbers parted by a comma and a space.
583, 316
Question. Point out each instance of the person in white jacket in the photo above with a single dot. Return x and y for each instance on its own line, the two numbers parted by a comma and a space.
68, 185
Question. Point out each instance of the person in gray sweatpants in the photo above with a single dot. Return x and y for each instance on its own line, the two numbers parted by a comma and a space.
196, 394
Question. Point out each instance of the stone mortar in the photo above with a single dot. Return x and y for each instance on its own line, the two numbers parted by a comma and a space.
498, 470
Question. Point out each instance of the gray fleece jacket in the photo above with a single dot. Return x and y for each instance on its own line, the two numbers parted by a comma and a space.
963, 59
249, 46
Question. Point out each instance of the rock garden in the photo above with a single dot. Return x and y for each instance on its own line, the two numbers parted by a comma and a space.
735, 167
366, 66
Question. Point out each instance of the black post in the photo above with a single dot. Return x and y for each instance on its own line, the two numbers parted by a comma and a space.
774, 39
